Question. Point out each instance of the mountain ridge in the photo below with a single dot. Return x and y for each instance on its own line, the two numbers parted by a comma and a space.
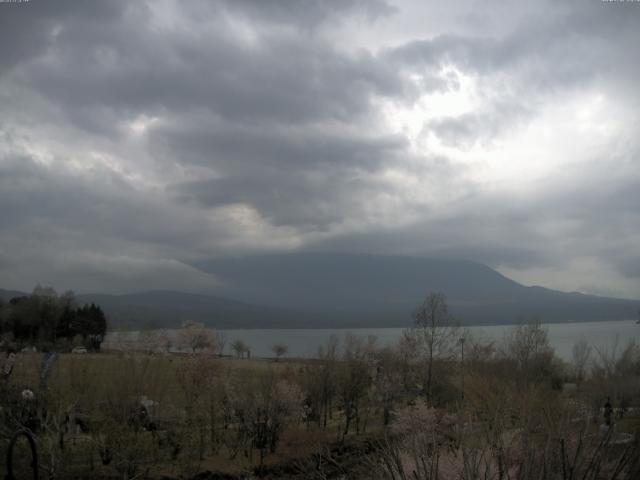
315, 290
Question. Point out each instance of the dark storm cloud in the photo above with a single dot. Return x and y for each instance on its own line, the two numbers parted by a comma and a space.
308, 203
309, 13
577, 214
252, 104
100, 206
27, 29
430, 241
280, 82
231, 148
464, 230
576, 37
281, 205
580, 44
141, 134
125, 67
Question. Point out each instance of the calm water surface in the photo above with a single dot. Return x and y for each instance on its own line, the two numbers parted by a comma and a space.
562, 336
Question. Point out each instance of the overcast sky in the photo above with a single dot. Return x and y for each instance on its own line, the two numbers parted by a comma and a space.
138, 138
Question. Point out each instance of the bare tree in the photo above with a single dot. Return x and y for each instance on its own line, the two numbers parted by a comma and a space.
581, 353
279, 350
262, 404
196, 336
528, 346
354, 379
153, 341
604, 365
388, 381
221, 342
327, 380
239, 347
435, 332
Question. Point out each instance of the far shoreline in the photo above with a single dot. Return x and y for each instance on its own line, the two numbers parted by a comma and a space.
306, 327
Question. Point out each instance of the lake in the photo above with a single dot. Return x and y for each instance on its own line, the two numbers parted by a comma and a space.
562, 336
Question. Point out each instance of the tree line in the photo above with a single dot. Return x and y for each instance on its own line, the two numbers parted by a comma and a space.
46, 320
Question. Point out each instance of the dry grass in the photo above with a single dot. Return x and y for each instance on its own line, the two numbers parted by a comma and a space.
104, 389
208, 412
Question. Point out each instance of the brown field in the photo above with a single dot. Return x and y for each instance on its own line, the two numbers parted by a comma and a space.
355, 412
88, 385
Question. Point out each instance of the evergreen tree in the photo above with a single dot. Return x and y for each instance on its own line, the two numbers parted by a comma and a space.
43, 317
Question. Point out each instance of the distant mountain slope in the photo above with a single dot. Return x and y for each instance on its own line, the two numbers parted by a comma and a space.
383, 290
340, 290
356, 282
7, 295
170, 309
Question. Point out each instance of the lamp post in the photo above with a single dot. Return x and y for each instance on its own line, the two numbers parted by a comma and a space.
462, 366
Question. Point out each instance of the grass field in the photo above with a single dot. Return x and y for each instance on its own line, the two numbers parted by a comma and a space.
360, 411
91, 398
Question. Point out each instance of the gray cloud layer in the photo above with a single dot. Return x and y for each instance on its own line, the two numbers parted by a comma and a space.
137, 138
